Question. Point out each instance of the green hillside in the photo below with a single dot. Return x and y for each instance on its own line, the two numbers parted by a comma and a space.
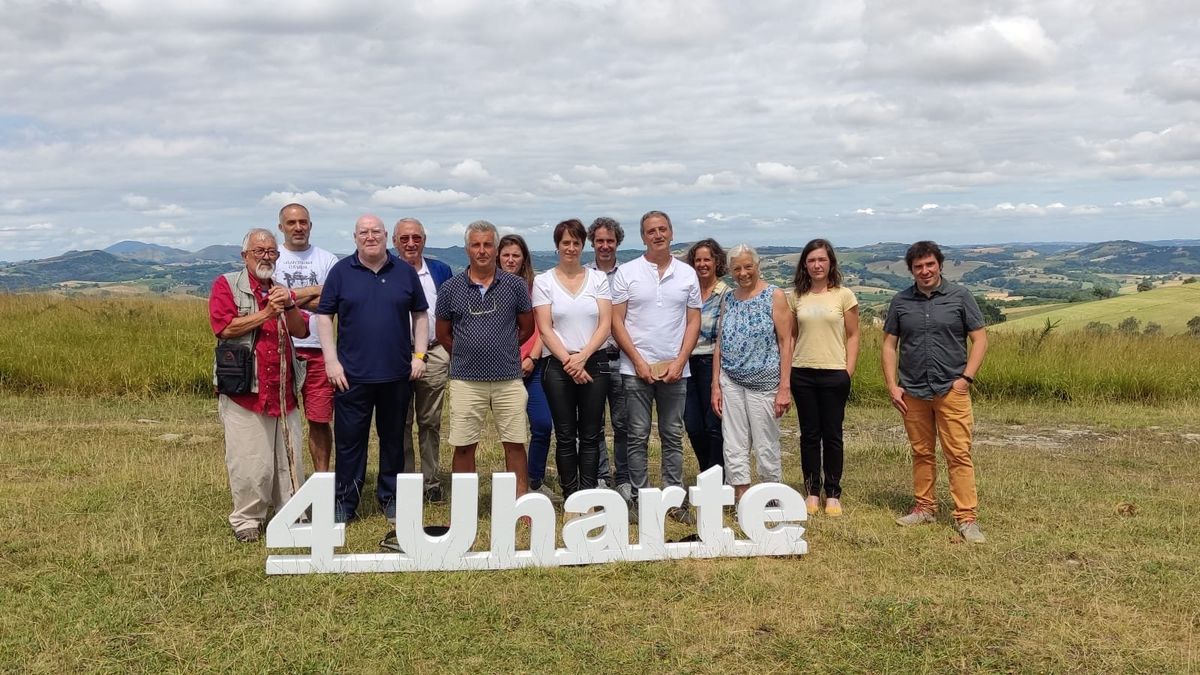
1169, 307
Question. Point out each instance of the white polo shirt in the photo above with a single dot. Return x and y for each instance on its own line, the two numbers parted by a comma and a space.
656, 309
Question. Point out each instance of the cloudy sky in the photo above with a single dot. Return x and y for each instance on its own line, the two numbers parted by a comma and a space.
185, 123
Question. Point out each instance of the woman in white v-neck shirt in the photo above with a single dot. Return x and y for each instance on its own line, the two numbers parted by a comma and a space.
573, 309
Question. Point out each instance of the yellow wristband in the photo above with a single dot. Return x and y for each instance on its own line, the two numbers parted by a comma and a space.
419, 355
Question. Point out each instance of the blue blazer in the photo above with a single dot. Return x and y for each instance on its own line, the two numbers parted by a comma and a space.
439, 270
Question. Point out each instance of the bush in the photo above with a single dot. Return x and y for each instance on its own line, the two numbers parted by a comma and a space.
1098, 329
1152, 328
1145, 285
1193, 325
1129, 325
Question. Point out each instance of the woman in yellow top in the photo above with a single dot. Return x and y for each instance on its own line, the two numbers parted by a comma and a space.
823, 362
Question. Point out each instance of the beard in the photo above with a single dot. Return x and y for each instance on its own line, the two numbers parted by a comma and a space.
264, 271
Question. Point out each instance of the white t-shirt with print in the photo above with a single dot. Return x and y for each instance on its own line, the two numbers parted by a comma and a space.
297, 269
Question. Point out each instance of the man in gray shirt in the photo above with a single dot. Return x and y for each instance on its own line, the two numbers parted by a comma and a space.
925, 335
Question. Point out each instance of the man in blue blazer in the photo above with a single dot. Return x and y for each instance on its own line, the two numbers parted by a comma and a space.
426, 408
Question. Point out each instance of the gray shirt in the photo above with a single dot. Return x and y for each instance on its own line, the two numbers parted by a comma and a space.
932, 332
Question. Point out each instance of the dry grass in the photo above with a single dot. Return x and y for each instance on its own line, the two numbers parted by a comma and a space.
117, 557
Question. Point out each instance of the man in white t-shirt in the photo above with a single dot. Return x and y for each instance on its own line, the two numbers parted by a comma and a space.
302, 268
426, 408
606, 235
656, 322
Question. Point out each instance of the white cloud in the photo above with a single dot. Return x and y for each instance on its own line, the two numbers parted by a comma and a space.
409, 196
868, 211
136, 201
590, 172
653, 169
1177, 82
310, 198
776, 172
422, 169
1177, 199
470, 169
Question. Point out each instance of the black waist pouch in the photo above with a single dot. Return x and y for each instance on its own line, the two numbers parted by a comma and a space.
235, 369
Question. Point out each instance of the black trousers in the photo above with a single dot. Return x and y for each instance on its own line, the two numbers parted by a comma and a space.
701, 421
821, 397
578, 413
351, 429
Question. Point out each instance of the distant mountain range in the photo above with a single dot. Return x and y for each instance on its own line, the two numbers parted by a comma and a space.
1051, 270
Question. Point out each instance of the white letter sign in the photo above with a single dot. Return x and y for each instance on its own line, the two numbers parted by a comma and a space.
599, 535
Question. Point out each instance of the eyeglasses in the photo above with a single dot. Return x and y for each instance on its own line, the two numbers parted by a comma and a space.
367, 234
260, 253
410, 237
481, 308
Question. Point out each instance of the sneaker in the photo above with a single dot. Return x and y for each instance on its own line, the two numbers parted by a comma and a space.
601, 484
681, 514
833, 507
544, 489
433, 493
812, 504
916, 517
246, 535
389, 511
626, 492
970, 532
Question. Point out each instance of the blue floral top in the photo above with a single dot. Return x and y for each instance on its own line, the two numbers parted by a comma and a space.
749, 347
708, 319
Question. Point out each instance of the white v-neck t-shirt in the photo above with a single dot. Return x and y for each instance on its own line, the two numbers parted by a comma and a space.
574, 316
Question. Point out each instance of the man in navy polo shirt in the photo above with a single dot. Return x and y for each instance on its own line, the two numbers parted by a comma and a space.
483, 316
381, 311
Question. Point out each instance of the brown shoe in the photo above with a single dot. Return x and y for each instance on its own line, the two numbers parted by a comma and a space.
247, 535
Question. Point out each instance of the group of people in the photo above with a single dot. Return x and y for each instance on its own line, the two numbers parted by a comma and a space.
654, 336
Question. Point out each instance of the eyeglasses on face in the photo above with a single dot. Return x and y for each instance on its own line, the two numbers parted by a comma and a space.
368, 234
268, 253
410, 237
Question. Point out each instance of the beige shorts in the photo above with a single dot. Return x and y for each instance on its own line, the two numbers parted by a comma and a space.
470, 402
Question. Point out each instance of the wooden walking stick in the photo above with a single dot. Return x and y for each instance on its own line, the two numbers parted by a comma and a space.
285, 338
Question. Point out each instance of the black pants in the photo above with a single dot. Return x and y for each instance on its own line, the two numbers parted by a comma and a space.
701, 421
821, 397
351, 429
578, 413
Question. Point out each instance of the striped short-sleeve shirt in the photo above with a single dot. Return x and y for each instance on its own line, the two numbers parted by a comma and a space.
484, 325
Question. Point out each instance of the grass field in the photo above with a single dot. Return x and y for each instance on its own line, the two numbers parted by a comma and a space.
1170, 307
117, 557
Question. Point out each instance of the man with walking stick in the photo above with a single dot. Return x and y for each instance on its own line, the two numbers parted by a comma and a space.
252, 319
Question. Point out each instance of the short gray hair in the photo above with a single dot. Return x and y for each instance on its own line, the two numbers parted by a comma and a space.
741, 250
480, 226
414, 221
256, 232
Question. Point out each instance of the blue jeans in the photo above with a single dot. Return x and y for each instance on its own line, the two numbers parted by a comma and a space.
703, 425
616, 412
352, 427
540, 424
640, 399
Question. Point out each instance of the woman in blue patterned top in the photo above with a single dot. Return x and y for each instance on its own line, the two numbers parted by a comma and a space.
701, 421
752, 372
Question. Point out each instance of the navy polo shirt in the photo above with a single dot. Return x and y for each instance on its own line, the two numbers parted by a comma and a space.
372, 308
485, 325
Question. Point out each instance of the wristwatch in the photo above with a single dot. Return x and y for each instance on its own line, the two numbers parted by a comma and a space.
968, 378
421, 355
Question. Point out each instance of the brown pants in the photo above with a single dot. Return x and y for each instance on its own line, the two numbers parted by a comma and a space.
948, 417
426, 411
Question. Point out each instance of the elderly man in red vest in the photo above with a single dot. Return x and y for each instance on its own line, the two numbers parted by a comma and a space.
245, 310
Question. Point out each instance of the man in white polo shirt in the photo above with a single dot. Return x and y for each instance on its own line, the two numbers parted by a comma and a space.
426, 407
302, 268
656, 322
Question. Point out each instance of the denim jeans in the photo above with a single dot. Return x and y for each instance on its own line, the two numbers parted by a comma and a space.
540, 424
640, 399
702, 423
619, 473
820, 397
578, 412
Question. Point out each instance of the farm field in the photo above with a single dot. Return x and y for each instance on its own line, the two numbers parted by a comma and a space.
1170, 307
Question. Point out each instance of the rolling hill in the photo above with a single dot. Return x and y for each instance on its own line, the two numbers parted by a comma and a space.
1169, 307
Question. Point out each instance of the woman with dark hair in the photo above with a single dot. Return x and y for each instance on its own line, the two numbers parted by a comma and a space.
826, 321
701, 421
514, 258
573, 309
